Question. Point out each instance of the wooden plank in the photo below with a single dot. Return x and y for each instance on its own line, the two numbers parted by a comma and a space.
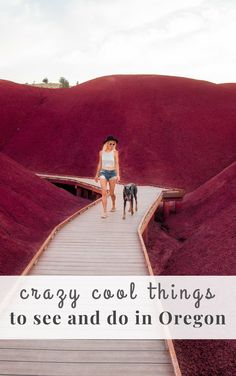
125, 253
95, 249
88, 260
91, 252
91, 272
83, 369
98, 265
86, 344
95, 258
105, 252
109, 262
85, 356
87, 256
100, 246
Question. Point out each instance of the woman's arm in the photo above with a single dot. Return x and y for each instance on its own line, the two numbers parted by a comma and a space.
99, 166
117, 165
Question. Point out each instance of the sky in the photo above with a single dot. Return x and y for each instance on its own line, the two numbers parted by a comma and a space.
84, 39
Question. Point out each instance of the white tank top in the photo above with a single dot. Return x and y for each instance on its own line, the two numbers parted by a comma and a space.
108, 159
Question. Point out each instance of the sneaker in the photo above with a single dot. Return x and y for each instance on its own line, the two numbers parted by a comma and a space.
104, 215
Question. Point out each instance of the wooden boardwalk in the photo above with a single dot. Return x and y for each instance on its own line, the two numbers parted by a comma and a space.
90, 245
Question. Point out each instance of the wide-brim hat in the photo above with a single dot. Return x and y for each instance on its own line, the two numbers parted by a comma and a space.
110, 138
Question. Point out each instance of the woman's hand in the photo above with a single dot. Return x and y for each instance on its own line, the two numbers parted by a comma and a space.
96, 178
118, 178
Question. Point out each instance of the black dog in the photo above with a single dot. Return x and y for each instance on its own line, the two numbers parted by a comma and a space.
129, 194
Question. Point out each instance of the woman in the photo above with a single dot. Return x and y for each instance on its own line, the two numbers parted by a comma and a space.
108, 171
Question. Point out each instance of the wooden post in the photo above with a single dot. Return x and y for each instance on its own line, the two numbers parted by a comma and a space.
85, 193
78, 191
178, 205
166, 209
172, 206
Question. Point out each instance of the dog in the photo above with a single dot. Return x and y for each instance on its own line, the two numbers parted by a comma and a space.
129, 194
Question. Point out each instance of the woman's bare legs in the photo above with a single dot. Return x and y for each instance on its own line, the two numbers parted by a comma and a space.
103, 183
112, 184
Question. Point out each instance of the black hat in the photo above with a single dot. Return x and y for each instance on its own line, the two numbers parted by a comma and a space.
110, 138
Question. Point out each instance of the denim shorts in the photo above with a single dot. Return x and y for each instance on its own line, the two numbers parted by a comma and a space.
107, 174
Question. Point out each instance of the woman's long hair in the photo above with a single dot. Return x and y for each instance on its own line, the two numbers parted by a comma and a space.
105, 146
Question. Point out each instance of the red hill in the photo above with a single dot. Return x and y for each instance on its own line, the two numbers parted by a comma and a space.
30, 209
172, 131
200, 240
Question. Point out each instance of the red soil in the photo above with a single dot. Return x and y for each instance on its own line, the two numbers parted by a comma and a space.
206, 357
30, 208
185, 125
207, 223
